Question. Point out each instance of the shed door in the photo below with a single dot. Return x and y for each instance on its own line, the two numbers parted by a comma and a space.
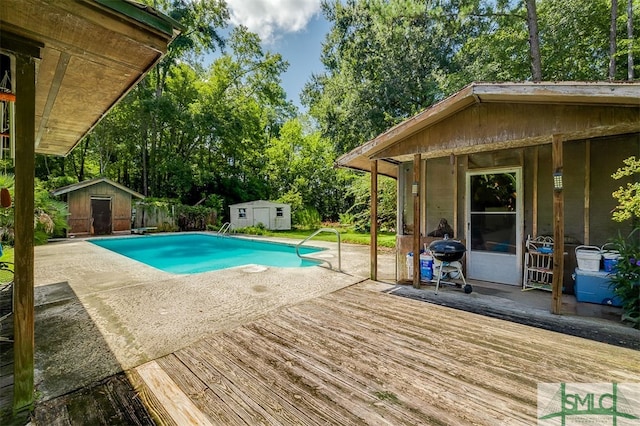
494, 224
261, 215
101, 215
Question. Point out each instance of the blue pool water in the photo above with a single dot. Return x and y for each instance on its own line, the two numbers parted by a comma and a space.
193, 253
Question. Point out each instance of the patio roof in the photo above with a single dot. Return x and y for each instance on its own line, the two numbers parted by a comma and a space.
93, 52
619, 103
70, 62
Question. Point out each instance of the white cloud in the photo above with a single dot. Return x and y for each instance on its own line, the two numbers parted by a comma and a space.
270, 18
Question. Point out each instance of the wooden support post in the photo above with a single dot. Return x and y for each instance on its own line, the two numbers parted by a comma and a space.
23, 292
558, 229
454, 176
534, 204
374, 220
587, 193
415, 190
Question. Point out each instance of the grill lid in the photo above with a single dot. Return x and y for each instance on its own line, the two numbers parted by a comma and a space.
447, 250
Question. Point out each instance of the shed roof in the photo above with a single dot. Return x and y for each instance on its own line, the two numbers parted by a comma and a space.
93, 52
87, 183
604, 96
258, 203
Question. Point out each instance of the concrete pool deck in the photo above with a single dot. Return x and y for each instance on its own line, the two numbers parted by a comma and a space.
99, 313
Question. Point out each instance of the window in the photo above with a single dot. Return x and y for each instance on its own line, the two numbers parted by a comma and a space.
279, 212
242, 213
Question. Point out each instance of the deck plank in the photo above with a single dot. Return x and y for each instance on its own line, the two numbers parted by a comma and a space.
304, 399
357, 356
362, 357
337, 389
401, 372
239, 392
198, 391
170, 396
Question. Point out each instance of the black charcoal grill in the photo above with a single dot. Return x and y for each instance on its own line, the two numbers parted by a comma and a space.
448, 252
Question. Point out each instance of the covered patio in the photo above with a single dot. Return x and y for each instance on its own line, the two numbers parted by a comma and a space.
69, 63
504, 161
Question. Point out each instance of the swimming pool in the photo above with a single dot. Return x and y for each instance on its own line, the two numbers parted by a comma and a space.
193, 253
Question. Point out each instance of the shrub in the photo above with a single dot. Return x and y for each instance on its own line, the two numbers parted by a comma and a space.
194, 218
626, 280
307, 218
251, 230
628, 197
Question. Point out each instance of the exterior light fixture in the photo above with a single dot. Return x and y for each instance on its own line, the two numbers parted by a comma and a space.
414, 188
557, 181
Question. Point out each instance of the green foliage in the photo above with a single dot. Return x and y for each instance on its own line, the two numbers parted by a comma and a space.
51, 215
214, 202
307, 218
359, 213
194, 218
386, 60
347, 219
293, 198
628, 196
379, 58
347, 235
300, 172
252, 230
626, 280
55, 182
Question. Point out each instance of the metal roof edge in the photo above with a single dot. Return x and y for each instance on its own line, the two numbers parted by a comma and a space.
144, 14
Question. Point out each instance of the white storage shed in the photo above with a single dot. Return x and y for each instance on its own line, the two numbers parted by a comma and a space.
274, 216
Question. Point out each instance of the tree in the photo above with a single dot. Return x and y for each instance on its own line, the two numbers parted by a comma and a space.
382, 60
630, 70
612, 39
300, 164
534, 41
628, 196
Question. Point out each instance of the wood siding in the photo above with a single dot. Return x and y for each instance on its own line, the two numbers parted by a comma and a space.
80, 208
492, 127
606, 156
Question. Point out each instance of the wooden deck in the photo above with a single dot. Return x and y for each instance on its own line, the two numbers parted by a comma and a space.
6, 348
362, 357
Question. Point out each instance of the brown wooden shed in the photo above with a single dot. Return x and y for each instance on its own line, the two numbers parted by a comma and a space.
98, 207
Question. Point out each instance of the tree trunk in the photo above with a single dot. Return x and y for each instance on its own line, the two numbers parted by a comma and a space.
145, 172
534, 41
612, 40
85, 148
630, 37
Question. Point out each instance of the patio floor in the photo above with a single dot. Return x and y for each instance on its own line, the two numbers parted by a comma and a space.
360, 356
307, 344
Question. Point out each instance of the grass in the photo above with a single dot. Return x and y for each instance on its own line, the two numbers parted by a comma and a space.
7, 254
385, 239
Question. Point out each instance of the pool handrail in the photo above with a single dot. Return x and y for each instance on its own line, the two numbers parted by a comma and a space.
321, 260
224, 229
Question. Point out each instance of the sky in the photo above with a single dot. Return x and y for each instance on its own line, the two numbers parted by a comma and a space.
293, 28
